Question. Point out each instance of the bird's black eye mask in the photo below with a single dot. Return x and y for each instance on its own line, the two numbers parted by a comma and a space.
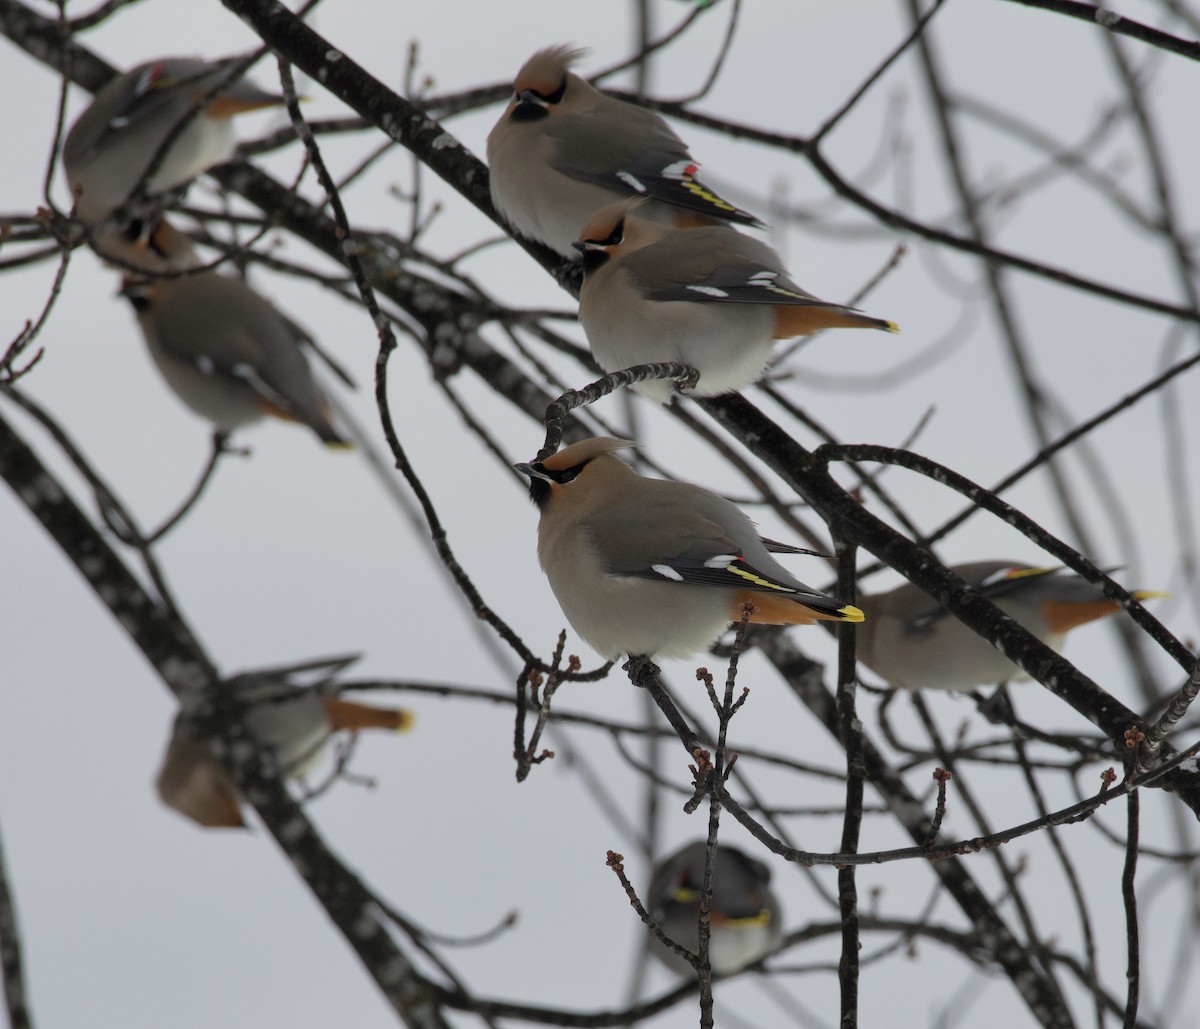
549, 98
532, 105
594, 254
614, 238
540, 478
564, 476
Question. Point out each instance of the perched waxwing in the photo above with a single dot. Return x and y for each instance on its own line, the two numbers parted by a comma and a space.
647, 566
746, 922
713, 298
293, 720
912, 642
227, 352
113, 143
562, 150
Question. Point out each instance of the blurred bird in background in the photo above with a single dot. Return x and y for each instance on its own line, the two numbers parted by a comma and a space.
226, 351
292, 718
116, 140
912, 642
746, 922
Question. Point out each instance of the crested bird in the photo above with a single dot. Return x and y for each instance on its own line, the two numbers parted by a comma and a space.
562, 149
713, 298
647, 566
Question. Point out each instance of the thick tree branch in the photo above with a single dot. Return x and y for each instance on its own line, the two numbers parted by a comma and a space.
178, 658
810, 478
1106, 18
12, 973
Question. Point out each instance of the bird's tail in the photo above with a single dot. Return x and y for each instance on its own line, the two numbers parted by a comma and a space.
805, 319
790, 609
346, 714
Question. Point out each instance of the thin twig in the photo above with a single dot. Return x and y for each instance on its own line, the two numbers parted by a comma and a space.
16, 998
1129, 895
684, 375
1152, 744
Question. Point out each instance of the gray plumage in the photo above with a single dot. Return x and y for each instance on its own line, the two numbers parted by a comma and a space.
562, 150
113, 142
228, 353
647, 566
912, 642
710, 297
292, 719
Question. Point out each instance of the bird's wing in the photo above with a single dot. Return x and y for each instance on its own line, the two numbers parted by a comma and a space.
992, 582
141, 98
216, 325
641, 156
667, 543
240, 338
775, 547
715, 265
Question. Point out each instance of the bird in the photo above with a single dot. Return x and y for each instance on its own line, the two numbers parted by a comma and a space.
710, 297
295, 721
562, 149
652, 567
912, 642
112, 144
746, 922
226, 351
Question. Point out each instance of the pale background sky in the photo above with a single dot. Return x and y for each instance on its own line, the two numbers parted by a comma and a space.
132, 916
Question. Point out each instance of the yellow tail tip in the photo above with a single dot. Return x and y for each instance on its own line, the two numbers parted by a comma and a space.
891, 327
850, 613
1029, 573
1150, 595
343, 445
405, 720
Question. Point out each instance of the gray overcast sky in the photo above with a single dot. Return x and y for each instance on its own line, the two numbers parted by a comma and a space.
133, 917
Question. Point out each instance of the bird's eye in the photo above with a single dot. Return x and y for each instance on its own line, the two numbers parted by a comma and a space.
562, 477
616, 236
595, 251
557, 95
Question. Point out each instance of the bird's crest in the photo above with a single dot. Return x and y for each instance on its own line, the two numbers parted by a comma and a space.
544, 72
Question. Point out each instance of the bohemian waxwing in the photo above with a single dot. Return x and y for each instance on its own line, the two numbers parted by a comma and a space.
227, 352
912, 642
562, 150
713, 298
294, 721
746, 923
646, 566
112, 144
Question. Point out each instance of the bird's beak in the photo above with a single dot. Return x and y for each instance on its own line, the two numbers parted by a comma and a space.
532, 472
